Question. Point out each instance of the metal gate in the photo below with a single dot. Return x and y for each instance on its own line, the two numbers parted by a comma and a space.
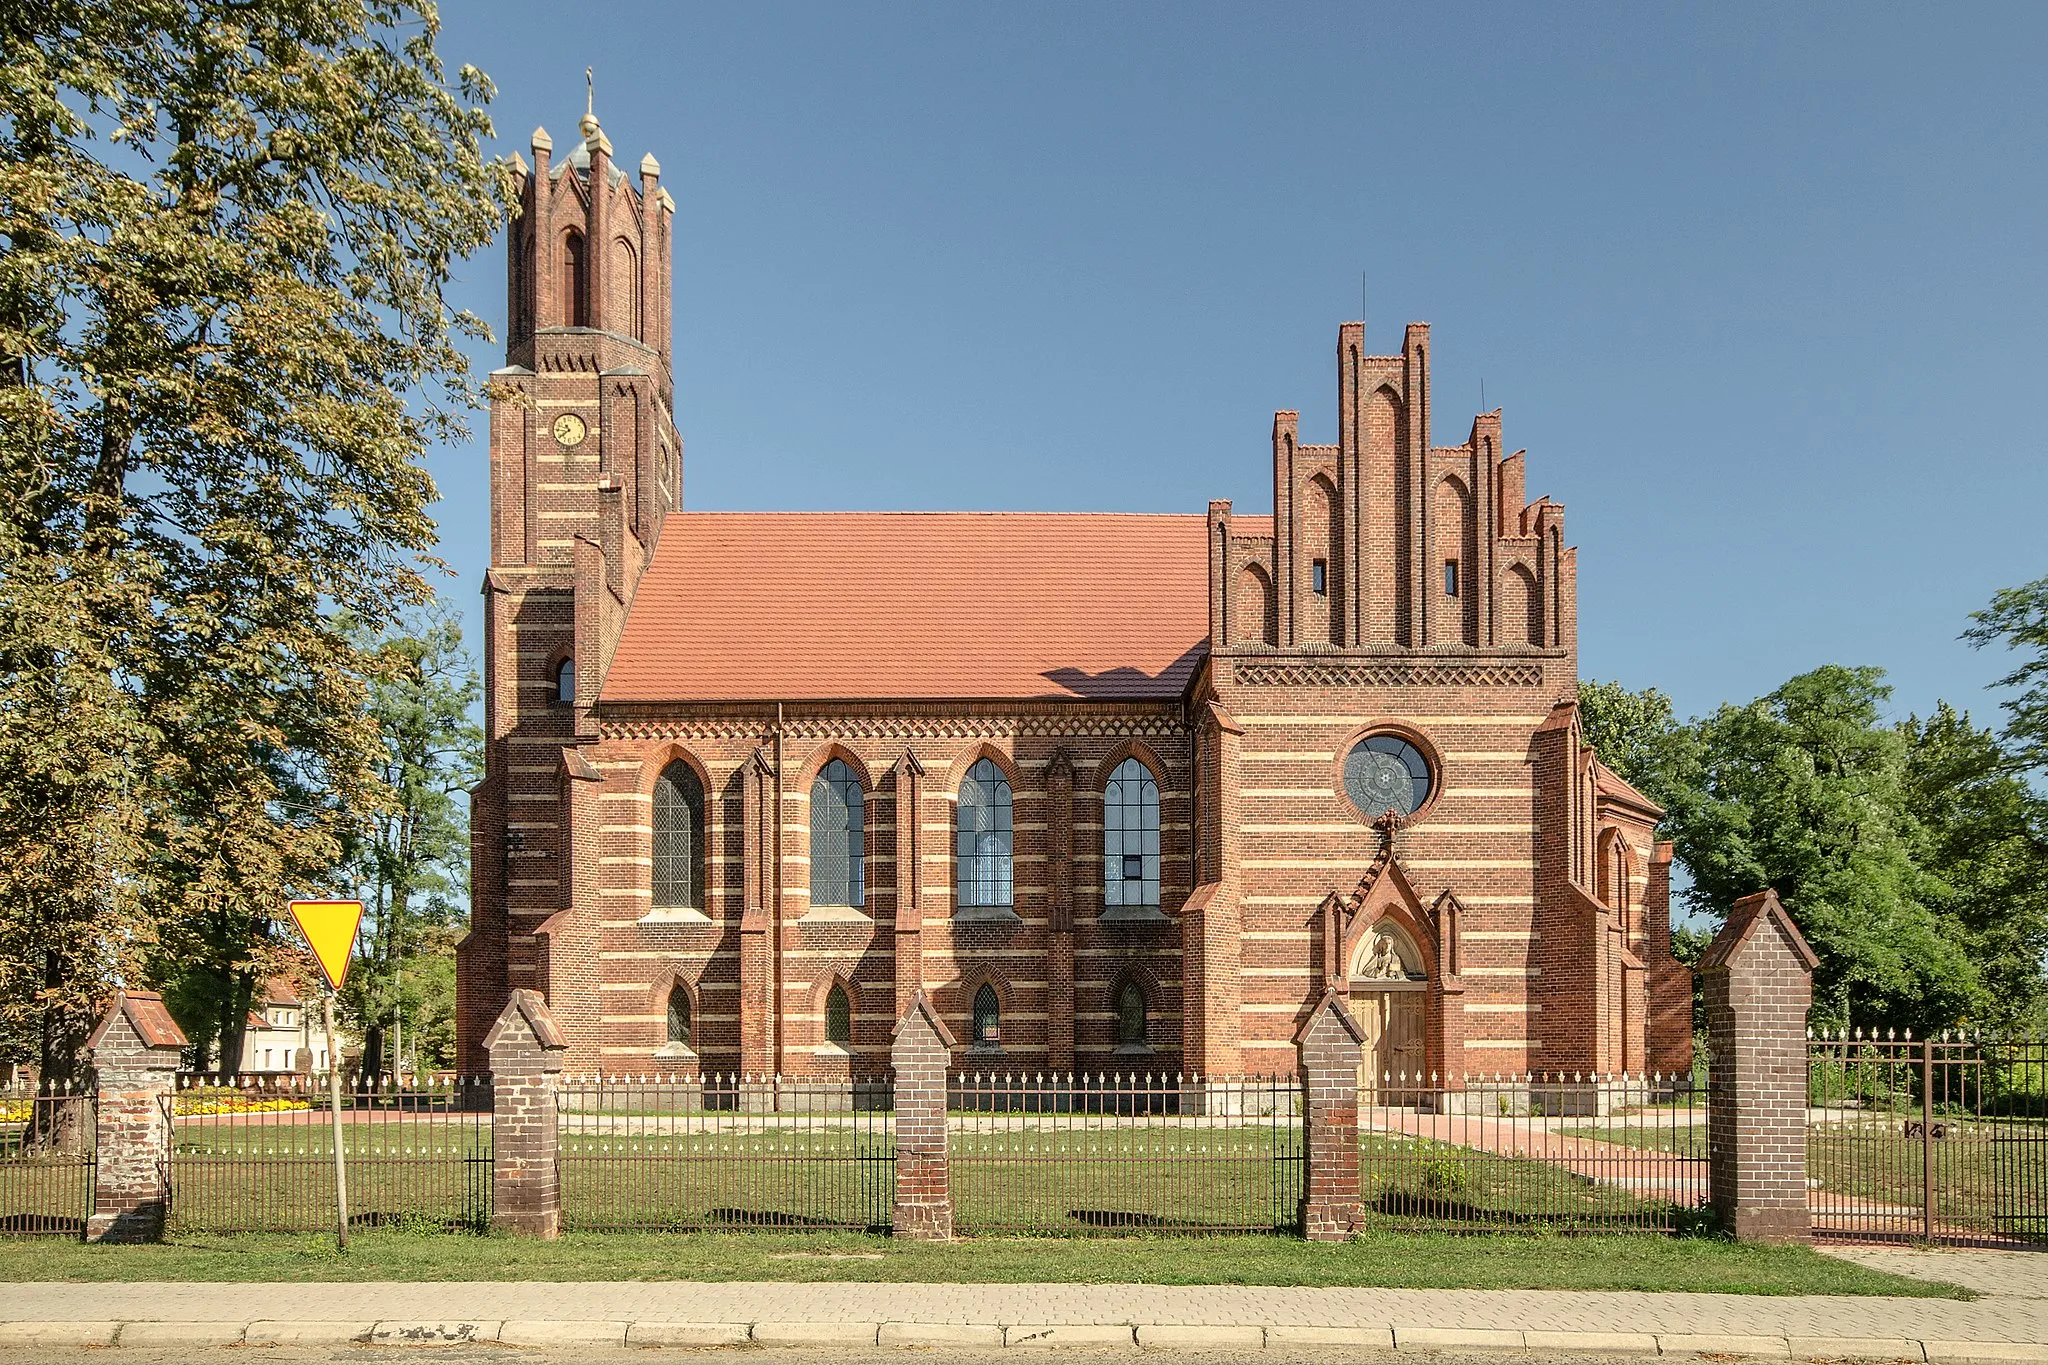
47, 1157
1932, 1139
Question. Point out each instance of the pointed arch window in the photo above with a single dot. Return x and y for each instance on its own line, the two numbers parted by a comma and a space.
678, 839
565, 681
983, 840
838, 837
679, 1018
1130, 838
575, 281
1130, 1015
838, 1017
988, 1018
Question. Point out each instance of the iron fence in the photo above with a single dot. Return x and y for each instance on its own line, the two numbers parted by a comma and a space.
726, 1151
1931, 1139
260, 1157
1081, 1153
46, 1162
1570, 1152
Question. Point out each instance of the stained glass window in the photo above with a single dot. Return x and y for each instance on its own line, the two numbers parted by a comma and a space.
983, 841
678, 839
679, 1015
988, 1017
1130, 1014
1385, 772
838, 837
838, 1016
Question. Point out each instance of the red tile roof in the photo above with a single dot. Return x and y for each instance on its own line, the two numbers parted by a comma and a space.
877, 605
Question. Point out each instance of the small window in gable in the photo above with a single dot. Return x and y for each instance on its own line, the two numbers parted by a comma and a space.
1319, 578
1450, 578
838, 1017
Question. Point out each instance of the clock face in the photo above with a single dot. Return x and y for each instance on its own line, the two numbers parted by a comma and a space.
569, 429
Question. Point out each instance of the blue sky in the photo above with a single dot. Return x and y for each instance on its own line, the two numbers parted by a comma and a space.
1761, 289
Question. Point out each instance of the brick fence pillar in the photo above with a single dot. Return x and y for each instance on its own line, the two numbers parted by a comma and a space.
135, 1057
920, 1055
1758, 978
526, 1048
1331, 1210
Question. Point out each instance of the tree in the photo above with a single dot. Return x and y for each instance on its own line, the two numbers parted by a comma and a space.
224, 350
1635, 734
1983, 839
410, 866
2018, 619
1807, 792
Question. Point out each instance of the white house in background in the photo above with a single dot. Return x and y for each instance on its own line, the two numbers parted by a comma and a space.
281, 1035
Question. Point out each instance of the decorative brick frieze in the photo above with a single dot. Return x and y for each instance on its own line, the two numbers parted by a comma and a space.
1250, 673
135, 1060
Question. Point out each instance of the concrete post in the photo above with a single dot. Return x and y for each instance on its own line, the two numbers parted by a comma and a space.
1331, 1209
526, 1048
920, 1055
135, 1057
1758, 977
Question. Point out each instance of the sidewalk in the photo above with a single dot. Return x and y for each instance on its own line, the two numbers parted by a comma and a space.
2009, 1324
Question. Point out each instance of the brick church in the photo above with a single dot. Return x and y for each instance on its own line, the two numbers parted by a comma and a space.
1118, 792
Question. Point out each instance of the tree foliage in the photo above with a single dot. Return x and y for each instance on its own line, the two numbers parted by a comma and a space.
224, 351
409, 864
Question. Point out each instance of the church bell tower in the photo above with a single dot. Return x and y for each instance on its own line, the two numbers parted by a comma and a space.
585, 466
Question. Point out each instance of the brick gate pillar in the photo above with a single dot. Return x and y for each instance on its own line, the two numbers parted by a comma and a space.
1758, 977
1331, 1210
526, 1048
135, 1057
922, 1051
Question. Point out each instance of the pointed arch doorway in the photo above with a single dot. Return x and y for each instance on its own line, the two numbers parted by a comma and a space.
1388, 991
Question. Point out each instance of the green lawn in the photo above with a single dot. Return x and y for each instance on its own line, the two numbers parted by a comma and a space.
1390, 1260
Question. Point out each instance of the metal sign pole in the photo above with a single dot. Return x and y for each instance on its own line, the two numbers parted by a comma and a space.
334, 1102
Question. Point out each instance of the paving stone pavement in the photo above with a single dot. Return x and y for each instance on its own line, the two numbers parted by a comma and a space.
2002, 1325
2019, 1274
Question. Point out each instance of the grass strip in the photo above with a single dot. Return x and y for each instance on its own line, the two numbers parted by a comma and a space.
1388, 1260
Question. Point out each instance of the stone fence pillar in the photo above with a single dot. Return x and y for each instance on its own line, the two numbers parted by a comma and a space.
1329, 1042
135, 1056
920, 1056
526, 1048
1758, 978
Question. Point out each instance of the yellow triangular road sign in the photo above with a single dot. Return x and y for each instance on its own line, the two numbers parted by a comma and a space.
330, 930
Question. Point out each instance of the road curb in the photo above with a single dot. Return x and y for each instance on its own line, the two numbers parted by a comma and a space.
182, 1333
281, 1332
1057, 1334
397, 1332
1192, 1337
562, 1332
816, 1333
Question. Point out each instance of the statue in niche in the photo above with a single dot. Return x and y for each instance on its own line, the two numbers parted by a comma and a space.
1384, 963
